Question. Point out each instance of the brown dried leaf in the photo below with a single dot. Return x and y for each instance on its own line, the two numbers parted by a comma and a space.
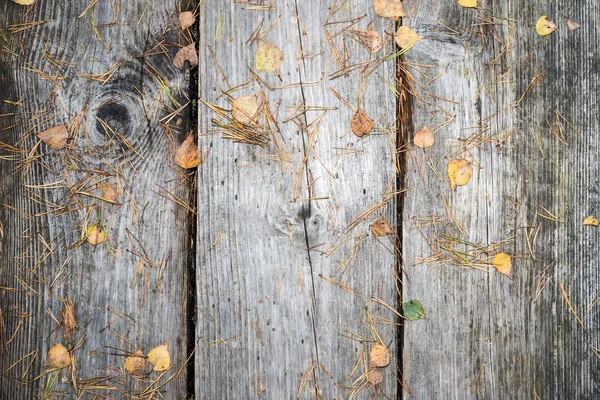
361, 124
406, 37
245, 109
424, 138
502, 263
159, 357
135, 363
186, 19
591, 221
188, 154
374, 376
459, 172
96, 235
268, 57
58, 357
381, 228
371, 39
391, 9
187, 53
68, 320
572, 25
109, 192
56, 137
380, 356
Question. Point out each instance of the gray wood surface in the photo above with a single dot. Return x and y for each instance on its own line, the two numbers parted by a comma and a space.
131, 292
271, 317
487, 336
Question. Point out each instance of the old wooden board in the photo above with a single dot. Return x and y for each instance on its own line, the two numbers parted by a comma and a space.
287, 267
532, 142
104, 70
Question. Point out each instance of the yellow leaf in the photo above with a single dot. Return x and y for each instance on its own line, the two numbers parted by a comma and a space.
245, 109
96, 235
361, 124
391, 9
159, 357
406, 37
56, 137
24, 2
545, 26
591, 221
468, 3
58, 357
502, 263
135, 363
188, 154
380, 356
459, 172
268, 57
424, 138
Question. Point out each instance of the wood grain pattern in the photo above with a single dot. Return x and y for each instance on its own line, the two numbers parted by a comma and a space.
487, 336
269, 316
131, 292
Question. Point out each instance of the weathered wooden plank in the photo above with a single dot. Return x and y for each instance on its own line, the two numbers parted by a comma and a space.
487, 336
85, 67
270, 314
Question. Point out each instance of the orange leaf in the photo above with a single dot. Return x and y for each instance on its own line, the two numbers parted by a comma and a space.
188, 154
502, 263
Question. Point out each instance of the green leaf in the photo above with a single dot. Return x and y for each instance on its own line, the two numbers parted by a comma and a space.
413, 310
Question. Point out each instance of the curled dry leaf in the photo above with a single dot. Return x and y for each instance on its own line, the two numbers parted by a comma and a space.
56, 137
109, 192
391, 9
186, 19
187, 53
245, 109
424, 138
370, 38
135, 363
361, 124
268, 57
374, 376
68, 320
406, 37
58, 357
591, 221
96, 234
381, 228
459, 173
572, 25
502, 263
159, 357
468, 3
24, 2
380, 356
545, 26
188, 154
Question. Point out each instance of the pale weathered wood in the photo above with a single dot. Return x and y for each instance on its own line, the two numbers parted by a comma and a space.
261, 244
122, 302
487, 336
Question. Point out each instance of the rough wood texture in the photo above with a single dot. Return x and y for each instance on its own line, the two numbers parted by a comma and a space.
129, 293
487, 336
267, 308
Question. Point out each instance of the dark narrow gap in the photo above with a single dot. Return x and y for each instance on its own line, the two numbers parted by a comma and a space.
191, 310
403, 122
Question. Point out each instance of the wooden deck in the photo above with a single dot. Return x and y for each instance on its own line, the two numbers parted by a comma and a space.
273, 268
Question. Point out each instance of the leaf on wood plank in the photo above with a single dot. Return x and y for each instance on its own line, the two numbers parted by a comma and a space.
572, 25
159, 357
58, 357
268, 57
424, 138
545, 26
503, 263
96, 235
361, 124
68, 320
109, 192
188, 154
135, 363
56, 137
245, 109
468, 3
381, 228
371, 39
187, 53
374, 376
590, 221
406, 37
24, 2
413, 310
391, 9
380, 356
186, 19
459, 173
